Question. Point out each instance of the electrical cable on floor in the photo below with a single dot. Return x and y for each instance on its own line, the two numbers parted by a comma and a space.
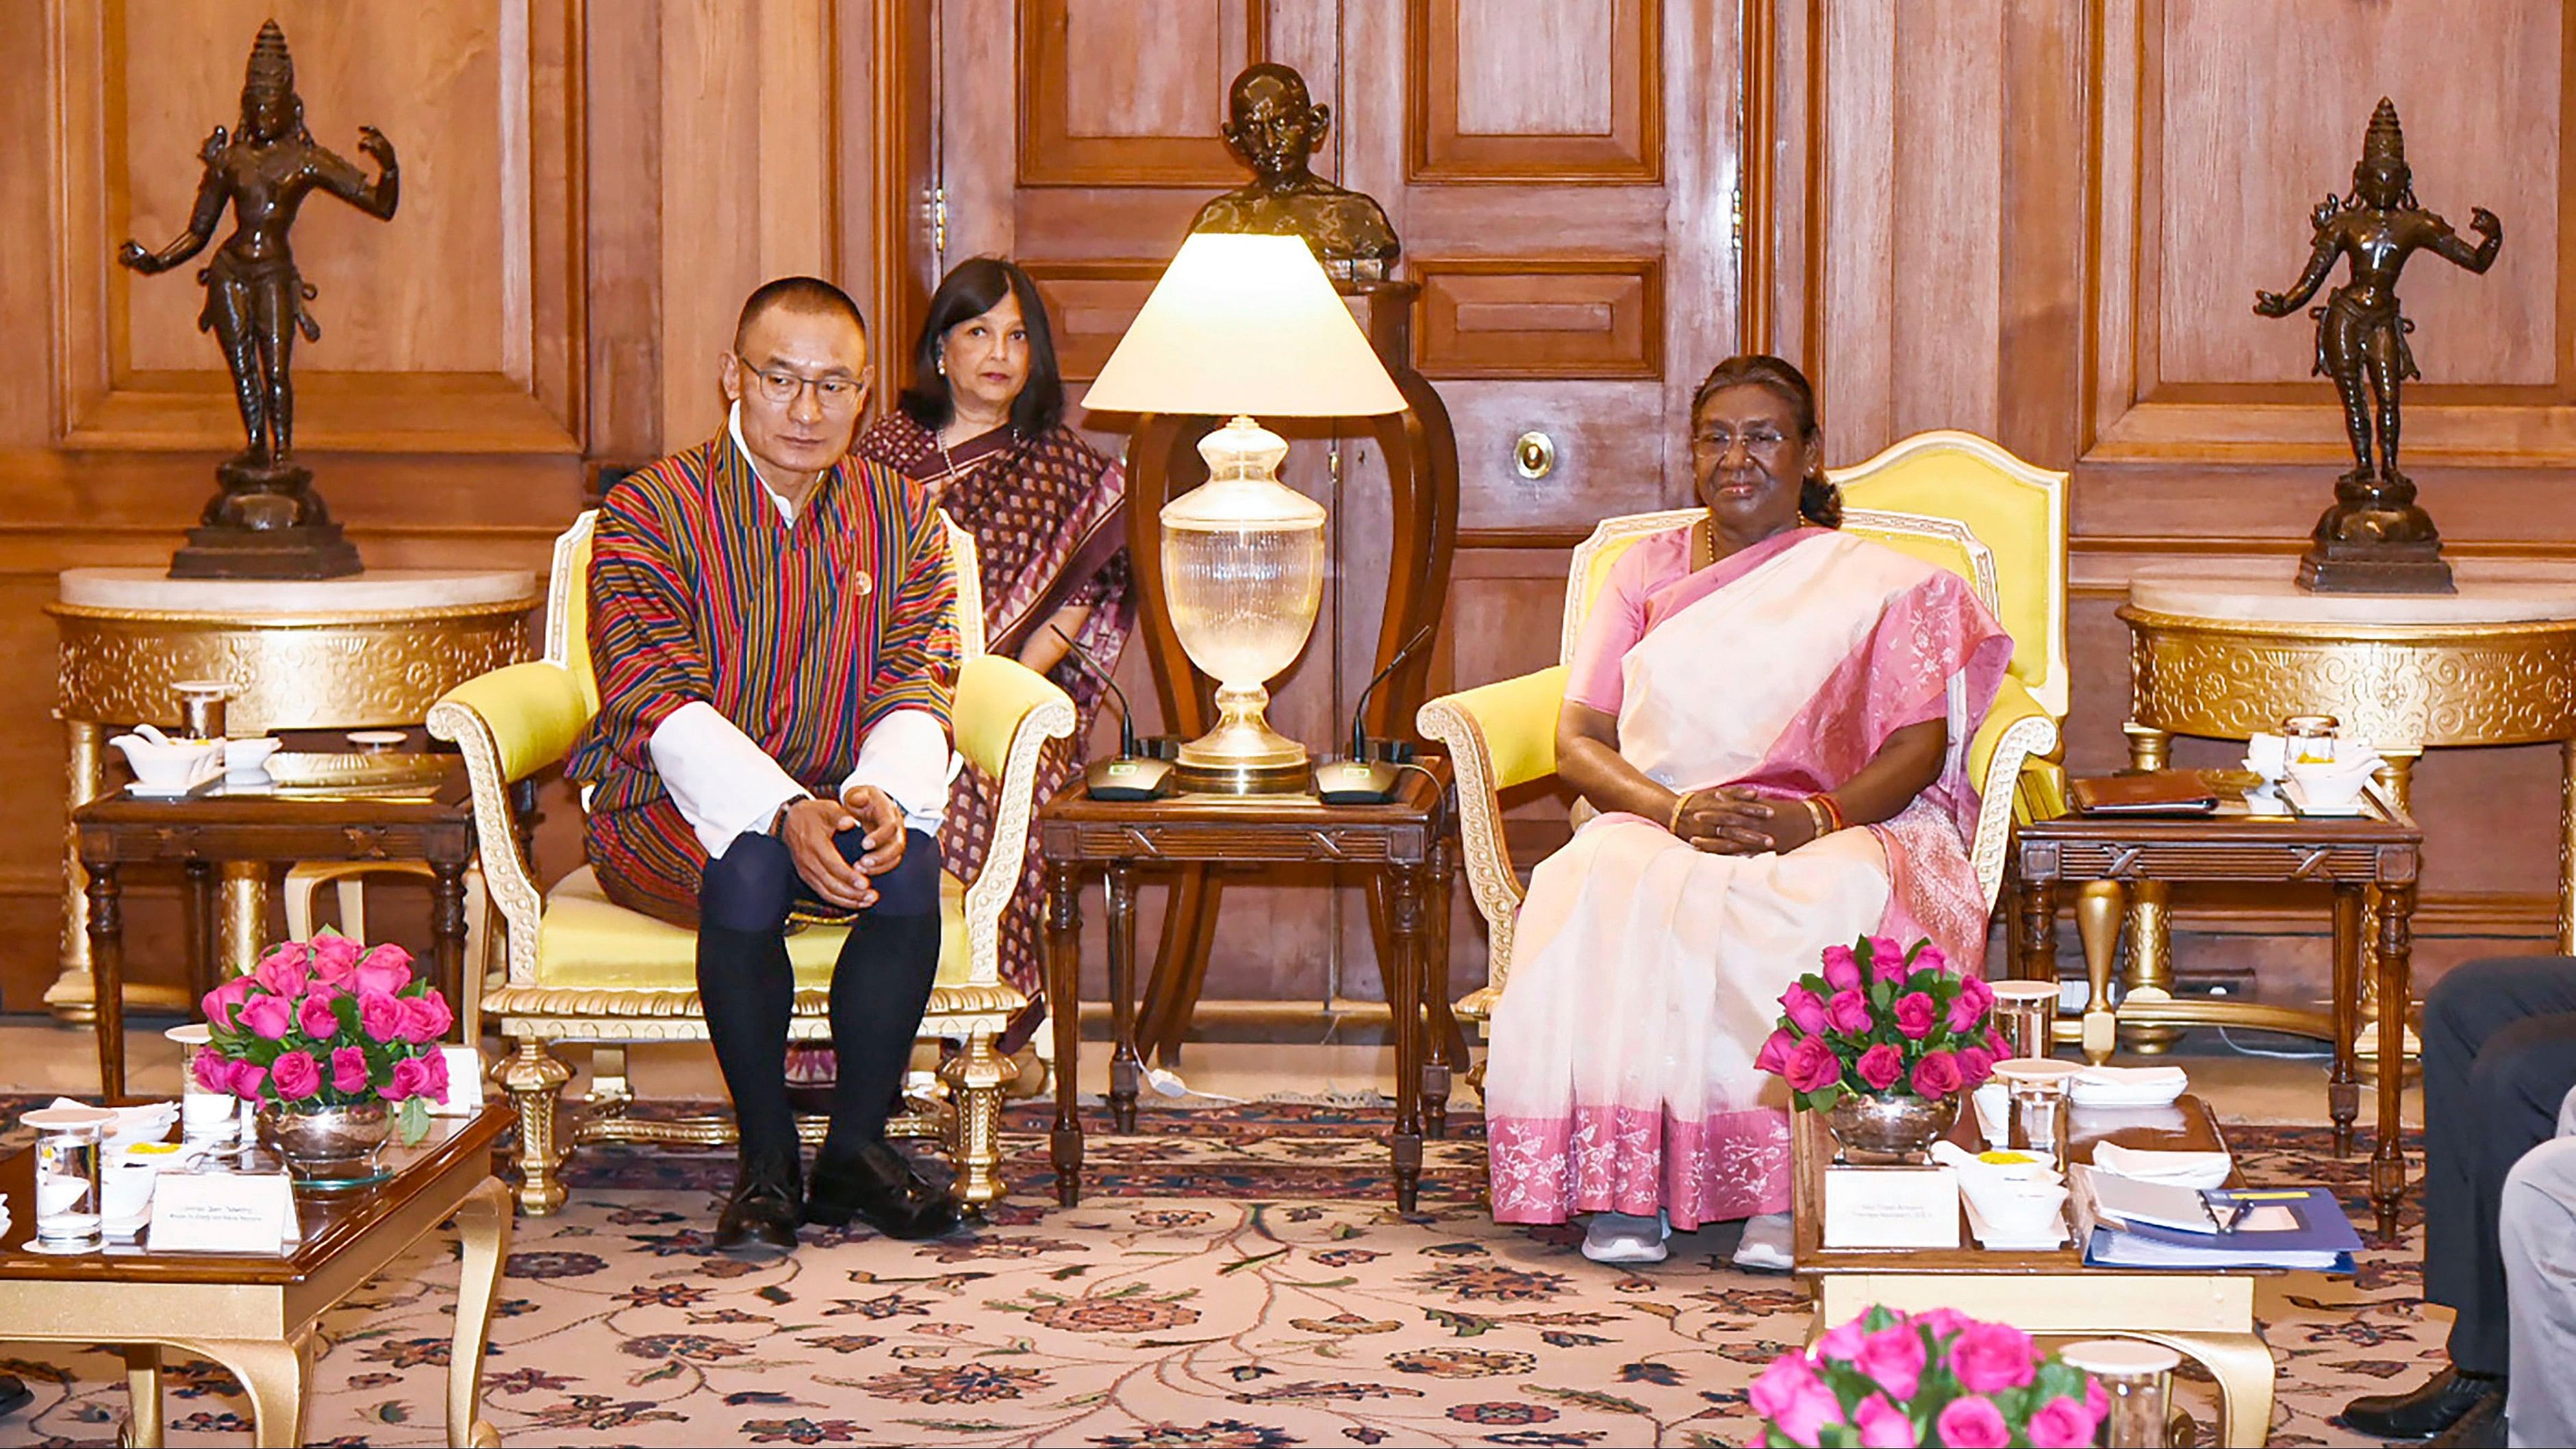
2241, 1049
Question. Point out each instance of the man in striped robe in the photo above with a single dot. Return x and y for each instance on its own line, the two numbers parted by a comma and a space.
773, 625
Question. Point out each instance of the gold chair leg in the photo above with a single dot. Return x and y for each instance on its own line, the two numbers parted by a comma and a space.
535, 1080
977, 1078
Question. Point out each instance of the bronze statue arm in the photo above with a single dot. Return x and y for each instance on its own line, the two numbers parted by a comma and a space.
208, 210
345, 181
2320, 264
2448, 244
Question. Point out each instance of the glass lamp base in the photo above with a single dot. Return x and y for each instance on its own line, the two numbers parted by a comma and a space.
1243, 755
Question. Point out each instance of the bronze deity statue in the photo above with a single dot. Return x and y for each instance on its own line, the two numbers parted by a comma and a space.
267, 522
1272, 126
2376, 538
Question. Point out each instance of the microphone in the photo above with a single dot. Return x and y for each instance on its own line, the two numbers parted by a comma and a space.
1359, 712
1361, 780
1131, 776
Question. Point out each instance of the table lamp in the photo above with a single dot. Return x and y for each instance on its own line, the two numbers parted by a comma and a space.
1243, 324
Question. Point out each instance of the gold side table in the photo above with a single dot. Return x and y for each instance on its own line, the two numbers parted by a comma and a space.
2227, 650
370, 651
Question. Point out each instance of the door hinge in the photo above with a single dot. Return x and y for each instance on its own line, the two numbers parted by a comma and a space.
1735, 220
939, 224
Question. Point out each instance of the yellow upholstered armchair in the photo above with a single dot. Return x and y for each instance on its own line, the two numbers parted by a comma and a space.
584, 970
1950, 498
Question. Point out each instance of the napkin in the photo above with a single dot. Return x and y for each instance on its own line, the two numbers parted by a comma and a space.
143, 1122
1994, 1113
2176, 1169
2128, 1086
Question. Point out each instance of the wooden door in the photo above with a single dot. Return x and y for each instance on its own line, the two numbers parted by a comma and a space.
1560, 172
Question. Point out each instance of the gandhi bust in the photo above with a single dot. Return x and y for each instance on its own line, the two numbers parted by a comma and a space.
1273, 125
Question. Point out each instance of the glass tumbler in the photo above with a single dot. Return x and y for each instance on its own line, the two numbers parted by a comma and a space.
205, 1115
2026, 1014
2135, 1376
67, 1187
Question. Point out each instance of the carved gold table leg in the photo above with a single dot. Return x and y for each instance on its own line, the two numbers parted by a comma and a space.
483, 1228
2150, 917
276, 1375
143, 1395
245, 917
84, 775
2097, 921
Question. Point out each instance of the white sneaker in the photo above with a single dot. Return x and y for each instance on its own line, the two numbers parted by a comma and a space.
1626, 1238
1766, 1244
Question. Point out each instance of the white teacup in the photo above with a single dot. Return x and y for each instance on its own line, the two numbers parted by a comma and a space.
248, 759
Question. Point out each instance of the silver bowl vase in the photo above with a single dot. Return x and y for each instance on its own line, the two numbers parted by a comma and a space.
326, 1147
1880, 1131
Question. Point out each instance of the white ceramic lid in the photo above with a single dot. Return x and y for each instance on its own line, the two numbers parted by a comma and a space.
68, 1119
2126, 1356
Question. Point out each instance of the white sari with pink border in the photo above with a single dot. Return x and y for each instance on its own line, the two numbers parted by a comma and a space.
1646, 974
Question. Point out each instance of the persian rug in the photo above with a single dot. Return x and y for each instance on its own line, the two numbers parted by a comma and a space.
1234, 1277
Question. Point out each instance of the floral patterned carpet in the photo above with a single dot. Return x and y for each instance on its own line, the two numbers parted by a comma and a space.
1235, 1276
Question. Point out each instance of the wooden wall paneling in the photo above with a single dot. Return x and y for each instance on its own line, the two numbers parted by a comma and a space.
1089, 115
1089, 304
454, 328
1516, 91
619, 142
1540, 317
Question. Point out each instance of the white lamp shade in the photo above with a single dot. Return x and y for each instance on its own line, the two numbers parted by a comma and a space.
1243, 323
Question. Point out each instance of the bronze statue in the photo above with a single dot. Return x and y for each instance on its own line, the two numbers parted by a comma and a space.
2375, 539
267, 522
1272, 126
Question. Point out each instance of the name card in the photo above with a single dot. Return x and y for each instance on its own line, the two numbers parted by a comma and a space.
223, 1212
1891, 1207
464, 1083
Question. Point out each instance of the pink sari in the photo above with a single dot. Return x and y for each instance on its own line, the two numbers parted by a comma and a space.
1645, 974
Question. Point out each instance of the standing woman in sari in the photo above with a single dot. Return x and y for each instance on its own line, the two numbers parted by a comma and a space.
980, 425
1771, 718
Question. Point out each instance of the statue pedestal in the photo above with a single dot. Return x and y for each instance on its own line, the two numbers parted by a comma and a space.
267, 523
365, 652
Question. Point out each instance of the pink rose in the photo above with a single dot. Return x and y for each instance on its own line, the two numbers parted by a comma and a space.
1849, 1013
1969, 1006
1886, 959
268, 1018
1880, 1066
425, 1017
334, 956
380, 1016
1794, 1401
1941, 1322
1882, 1425
1936, 1076
224, 1000
1976, 1064
434, 1079
1931, 958
1892, 1358
1995, 1043
1774, 1056
1806, 1010
213, 1073
1914, 1013
2096, 1402
1843, 1341
1813, 1066
296, 1076
349, 1071
1988, 1358
2061, 1423
410, 1078
315, 1016
247, 1079
1972, 1423
385, 968
1842, 969
282, 973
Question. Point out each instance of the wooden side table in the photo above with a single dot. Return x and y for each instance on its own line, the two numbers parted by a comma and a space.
1403, 840
256, 1315
433, 821
2119, 854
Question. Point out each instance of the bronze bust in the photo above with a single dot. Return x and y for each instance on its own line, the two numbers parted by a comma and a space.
267, 522
2376, 538
1272, 126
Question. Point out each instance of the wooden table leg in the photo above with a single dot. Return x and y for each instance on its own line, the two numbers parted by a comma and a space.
107, 971
143, 1423
197, 932
2097, 923
447, 930
2037, 924
1064, 1013
2396, 951
2343, 1083
483, 1230
1126, 1068
1447, 1043
1404, 1000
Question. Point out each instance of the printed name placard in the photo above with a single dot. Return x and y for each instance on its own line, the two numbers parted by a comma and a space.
464, 1083
1891, 1207
222, 1212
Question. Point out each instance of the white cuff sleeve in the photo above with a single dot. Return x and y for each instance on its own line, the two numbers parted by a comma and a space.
723, 783
907, 756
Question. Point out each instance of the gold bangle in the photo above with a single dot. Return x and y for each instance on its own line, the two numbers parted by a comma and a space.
1673, 825
1816, 815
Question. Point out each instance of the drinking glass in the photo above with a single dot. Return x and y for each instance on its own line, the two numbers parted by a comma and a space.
2134, 1375
2038, 1087
67, 1187
203, 1116
2026, 1014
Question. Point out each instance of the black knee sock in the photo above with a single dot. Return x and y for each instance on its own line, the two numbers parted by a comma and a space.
748, 990
880, 985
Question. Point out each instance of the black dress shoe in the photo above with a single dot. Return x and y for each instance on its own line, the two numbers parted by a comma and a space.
2482, 1427
874, 1184
2443, 1401
759, 1220
14, 1394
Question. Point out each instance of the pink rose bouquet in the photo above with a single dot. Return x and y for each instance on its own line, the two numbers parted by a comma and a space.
1936, 1378
326, 1023
1885, 1020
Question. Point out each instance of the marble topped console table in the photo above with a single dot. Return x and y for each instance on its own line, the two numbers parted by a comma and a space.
369, 651
2228, 649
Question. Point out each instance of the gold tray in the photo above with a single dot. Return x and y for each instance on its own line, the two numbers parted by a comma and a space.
295, 770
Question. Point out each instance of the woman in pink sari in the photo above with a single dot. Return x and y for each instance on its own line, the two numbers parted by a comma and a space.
1770, 718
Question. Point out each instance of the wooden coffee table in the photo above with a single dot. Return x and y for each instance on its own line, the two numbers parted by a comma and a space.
2205, 1315
255, 1315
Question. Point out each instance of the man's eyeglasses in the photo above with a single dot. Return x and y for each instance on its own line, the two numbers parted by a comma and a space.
781, 387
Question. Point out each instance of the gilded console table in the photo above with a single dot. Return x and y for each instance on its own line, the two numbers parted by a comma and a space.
2227, 650
365, 652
